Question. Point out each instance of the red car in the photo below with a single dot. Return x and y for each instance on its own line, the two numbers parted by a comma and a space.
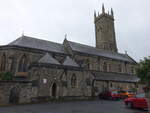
112, 95
139, 101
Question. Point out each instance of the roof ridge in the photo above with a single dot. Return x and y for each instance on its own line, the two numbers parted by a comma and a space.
82, 48
96, 48
130, 57
41, 44
36, 39
20, 38
81, 44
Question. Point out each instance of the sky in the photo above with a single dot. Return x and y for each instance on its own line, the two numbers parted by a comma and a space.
52, 19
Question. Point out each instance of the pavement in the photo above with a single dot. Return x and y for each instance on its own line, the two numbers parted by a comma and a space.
96, 106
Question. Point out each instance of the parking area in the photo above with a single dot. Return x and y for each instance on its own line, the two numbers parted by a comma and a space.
97, 106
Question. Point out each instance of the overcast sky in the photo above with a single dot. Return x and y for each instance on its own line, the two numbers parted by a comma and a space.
52, 19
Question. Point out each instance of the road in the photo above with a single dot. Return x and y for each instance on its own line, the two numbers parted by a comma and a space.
98, 106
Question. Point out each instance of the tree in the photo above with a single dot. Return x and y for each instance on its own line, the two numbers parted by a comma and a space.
143, 70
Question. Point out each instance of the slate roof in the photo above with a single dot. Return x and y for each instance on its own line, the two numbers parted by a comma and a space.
48, 59
70, 62
81, 48
115, 77
35, 43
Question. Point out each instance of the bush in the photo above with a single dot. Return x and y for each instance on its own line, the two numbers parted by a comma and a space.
134, 90
5, 76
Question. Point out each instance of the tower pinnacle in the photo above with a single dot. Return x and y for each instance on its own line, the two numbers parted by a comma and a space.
112, 13
94, 13
103, 8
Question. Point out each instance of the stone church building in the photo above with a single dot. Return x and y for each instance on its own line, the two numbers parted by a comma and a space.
33, 70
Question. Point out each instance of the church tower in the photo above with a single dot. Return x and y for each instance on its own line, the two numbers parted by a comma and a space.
105, 31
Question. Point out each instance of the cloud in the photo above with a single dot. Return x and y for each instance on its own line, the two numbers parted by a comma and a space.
51, 20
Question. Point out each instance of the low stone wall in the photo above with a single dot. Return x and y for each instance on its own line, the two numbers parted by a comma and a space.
12, 89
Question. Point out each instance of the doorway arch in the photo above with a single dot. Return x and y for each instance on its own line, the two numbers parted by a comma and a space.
14, 96
54, 90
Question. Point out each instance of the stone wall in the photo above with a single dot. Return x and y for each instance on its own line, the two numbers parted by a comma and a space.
47, 77
96, 63
13, 57
44, 78
16, 55
25, 92
82, 89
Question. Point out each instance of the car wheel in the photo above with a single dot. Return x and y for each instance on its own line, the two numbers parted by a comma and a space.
145, 109
129, 105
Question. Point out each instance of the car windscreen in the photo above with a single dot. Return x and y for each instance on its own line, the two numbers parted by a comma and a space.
130, 91
140, 95
121, 91
114, 92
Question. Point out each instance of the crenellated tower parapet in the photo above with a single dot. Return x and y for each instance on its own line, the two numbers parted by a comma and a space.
105, 30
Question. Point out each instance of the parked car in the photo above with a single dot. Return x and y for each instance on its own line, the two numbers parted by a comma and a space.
112, 95
139, 101
125, 94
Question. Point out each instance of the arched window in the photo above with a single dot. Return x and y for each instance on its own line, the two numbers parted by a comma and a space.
23, 64
110, 47
73, 81
105, 66
111, 85
10, 63
3, 63
64, 79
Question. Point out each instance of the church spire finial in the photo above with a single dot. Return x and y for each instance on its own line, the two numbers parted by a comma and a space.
103, 8
112, 13
66, 36
22, 33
